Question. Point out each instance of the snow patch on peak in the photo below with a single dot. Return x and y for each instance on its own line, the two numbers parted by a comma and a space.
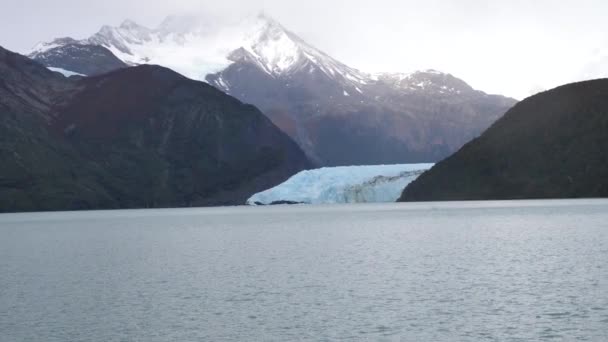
274, 47
429, 80
66, 73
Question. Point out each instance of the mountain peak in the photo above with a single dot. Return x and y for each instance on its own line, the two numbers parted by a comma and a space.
45, 46
429, 80
200, 46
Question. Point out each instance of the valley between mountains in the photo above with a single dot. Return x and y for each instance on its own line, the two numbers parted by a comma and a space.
199, 113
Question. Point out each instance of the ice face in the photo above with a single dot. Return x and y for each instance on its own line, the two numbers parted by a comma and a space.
346, 184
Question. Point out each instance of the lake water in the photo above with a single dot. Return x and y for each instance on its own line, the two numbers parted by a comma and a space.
478, 271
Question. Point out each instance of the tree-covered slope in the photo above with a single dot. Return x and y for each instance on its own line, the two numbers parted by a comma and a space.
137, 137
551, 145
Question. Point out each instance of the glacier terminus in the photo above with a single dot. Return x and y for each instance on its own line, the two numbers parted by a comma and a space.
343, 184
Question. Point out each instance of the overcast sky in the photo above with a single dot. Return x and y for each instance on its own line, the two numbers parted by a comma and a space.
513, 47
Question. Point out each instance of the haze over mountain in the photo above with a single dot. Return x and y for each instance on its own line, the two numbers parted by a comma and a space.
337, 114
512, 48
552, 145
137, 137
597, 64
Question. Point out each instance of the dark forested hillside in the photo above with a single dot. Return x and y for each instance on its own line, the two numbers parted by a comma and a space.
137, 137
552, 145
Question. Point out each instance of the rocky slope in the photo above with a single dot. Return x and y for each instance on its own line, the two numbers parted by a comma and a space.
337, 114
551, 145
70, 55
137, 137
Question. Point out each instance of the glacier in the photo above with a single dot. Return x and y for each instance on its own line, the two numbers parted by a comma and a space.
343, 184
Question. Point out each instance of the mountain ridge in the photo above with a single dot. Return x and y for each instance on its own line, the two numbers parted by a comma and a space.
135, 137
551, 145
327, 107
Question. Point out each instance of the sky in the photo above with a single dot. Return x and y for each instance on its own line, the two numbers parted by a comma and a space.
515, 48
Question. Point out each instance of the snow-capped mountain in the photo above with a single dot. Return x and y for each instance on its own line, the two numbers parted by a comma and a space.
196, 48
338, 114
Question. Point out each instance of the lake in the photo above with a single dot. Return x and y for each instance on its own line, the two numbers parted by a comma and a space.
471, 271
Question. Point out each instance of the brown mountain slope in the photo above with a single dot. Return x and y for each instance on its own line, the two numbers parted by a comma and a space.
136, 137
